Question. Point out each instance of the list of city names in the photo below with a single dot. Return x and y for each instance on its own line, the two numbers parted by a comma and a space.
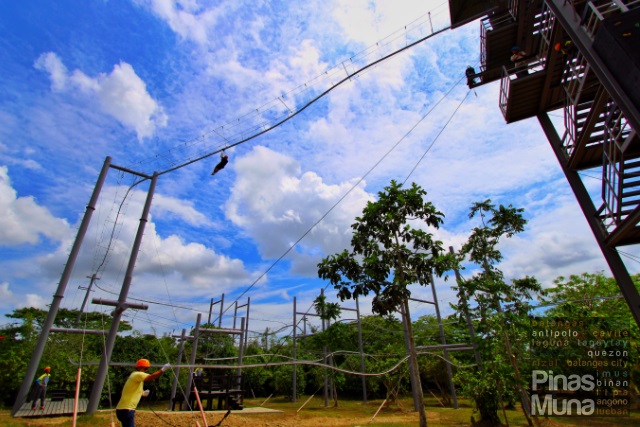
580, 367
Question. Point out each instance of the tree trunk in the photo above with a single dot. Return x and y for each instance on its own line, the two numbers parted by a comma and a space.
413, 366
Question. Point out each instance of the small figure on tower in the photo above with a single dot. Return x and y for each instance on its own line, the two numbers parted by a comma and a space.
224, 159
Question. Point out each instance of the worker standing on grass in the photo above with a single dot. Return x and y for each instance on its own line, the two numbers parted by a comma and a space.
40, 391
133, 391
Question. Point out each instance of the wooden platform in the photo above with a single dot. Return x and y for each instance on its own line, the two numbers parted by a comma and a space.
60, 407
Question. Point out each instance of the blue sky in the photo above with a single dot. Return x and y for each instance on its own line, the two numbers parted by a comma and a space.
157, 83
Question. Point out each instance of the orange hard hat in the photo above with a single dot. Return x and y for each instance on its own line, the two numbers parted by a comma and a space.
558, 46
47, 369
143, 363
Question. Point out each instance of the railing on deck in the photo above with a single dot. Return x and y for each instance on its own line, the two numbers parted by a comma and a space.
595, 13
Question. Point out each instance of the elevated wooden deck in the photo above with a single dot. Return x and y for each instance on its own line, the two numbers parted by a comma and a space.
52, 408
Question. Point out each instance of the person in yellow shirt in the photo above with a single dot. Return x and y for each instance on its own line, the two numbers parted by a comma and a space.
40, 391
133, 391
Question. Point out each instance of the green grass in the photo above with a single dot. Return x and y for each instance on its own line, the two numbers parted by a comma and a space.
397, 414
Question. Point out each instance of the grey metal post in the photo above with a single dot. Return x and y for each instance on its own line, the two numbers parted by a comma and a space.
174, 385
196, 335
240, 351
295, 367
304, 329
246, 324
96, 391
361, 347
324, 361
443, 340
57, 298
86, 297
472, 333
235, 314
210, 308
414, 387
220, 316
415, 372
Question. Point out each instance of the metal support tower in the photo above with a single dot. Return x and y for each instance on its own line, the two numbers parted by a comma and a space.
62, 286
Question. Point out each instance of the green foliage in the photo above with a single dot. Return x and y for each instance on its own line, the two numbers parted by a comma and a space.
388, 254
62, 352
326, 310
590, 301
586, 295
501, 308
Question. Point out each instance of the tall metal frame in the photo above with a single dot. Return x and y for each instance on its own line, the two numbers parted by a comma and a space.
590, 77
295, 338
120, 305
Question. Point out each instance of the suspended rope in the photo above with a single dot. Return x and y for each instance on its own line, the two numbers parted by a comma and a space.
301, 109
296, 362
353, 187
174, 377
79, 376
104, 354
274, 107
437, 136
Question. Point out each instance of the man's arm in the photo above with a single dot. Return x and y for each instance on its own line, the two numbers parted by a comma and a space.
153, 376
157, 373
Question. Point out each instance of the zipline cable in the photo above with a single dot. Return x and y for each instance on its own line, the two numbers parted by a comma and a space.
353, 187
329, 74
304, 107
290, 117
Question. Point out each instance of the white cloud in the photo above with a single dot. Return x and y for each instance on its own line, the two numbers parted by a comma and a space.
58, 73
276, 204
22, 220
34, 300
367, 22
192, 264
164, 206
121, 93
186, 17
6, 296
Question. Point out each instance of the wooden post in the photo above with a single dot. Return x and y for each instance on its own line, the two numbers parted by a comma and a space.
204, 418
77, 396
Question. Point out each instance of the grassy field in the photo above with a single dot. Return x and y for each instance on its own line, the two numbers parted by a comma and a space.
315, 414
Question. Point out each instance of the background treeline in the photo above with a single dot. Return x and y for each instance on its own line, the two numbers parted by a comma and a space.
591, 296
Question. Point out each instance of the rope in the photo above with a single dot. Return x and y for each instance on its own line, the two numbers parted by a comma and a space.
438, 135
223, 418
353, 187
301, 362
174, 376
104, 353
76, 395
264, 125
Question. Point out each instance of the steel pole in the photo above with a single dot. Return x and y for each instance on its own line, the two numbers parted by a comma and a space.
96, 390
57, 298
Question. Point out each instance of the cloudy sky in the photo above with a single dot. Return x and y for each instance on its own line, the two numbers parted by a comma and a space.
156, 84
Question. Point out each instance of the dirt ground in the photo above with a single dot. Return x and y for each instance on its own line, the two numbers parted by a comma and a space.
164, 419
348, 414
272, 420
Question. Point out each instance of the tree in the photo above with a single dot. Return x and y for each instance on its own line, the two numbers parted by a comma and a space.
501, 308
388, 255
330, 335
